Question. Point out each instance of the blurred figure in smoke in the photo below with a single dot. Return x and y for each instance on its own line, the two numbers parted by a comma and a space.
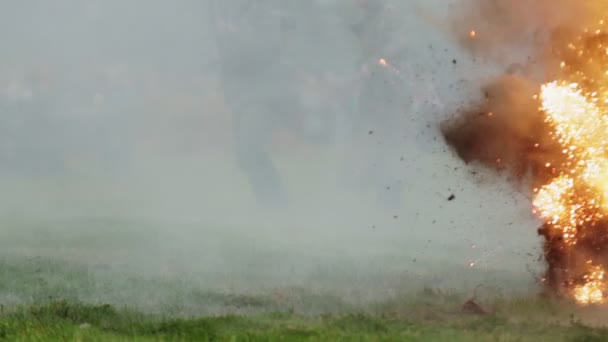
257, 85
32, 134
263, 83
14, 96
378, 128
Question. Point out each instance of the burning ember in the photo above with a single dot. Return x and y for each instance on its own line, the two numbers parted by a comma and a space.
573, 203
553, 137
592, 291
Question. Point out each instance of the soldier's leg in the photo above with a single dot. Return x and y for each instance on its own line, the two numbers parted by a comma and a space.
253, 130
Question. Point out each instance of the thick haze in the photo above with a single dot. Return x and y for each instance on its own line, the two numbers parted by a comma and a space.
292, 157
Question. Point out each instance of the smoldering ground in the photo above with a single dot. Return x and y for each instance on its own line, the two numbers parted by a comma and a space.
120, 181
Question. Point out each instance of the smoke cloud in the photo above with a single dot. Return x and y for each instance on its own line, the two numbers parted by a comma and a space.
526, 42
534, 43
141, 138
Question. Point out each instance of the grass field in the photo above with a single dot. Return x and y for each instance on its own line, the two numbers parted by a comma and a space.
349, 273
47, 299
117, 281
61, 320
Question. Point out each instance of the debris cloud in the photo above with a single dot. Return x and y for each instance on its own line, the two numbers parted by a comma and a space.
544, 122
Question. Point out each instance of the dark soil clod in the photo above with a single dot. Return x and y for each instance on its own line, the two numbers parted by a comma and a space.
472, 308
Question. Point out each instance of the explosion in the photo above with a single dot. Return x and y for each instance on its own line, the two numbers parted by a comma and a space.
552, 136
573, 202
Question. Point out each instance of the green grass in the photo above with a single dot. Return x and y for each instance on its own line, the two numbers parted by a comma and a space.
55, 300
61, 283
60, 320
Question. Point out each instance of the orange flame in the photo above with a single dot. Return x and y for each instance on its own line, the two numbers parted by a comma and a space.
576, 108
